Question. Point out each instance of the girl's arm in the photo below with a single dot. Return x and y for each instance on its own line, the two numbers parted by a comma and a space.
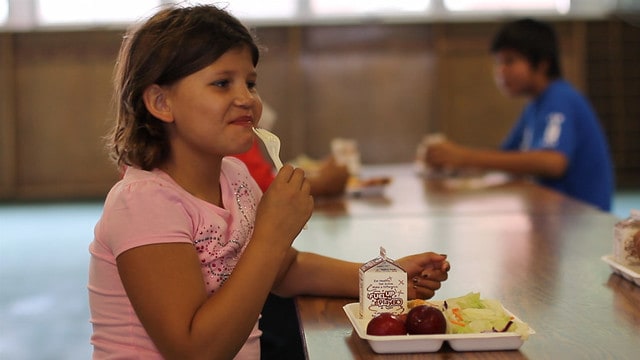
165, 286
312, 274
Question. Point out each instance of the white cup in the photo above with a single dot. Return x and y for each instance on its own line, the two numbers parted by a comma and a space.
346, 153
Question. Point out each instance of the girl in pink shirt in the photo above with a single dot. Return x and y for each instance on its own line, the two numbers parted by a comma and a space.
188, 248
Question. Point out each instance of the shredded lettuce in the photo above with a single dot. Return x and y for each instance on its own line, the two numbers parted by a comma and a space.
470, 314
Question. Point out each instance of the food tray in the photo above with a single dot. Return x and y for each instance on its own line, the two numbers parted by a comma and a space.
367, 187
365, 191
395, 344
620, 269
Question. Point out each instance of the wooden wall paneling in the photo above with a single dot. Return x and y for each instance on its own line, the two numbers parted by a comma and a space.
280, 85
622, 59
573, 44
630, 89
63, 97
386, 85
471, 110
613, 77
7, 118
372, 83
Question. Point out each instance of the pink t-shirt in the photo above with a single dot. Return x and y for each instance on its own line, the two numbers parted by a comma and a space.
148, 207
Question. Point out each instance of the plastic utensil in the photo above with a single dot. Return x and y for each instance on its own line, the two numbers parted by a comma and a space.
272, 143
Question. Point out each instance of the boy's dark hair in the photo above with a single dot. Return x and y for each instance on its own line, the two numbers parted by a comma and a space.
535, 40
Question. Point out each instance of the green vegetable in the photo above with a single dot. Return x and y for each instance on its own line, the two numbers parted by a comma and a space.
470, 314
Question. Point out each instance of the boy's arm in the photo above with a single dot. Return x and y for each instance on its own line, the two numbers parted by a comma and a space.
543, 163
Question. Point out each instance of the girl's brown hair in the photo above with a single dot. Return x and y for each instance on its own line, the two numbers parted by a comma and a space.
172, 44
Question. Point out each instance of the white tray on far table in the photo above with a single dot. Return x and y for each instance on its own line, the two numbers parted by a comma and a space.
628, 273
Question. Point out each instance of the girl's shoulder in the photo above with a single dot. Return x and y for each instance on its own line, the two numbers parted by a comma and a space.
142, 186
145, 207
235, 169
138, 179
237, 175
232, 163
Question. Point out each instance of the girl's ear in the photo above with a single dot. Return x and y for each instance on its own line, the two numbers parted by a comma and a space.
156, 102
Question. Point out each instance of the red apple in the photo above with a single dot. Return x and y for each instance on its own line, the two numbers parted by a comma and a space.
386, 324
426, 320
403, 317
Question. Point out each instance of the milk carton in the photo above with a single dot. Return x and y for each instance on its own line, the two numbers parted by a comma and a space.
383, 287
346, 153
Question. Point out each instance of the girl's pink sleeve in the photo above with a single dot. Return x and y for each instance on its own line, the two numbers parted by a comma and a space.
143, 213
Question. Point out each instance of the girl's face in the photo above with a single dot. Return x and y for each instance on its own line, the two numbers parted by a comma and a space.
214, 109
514, 74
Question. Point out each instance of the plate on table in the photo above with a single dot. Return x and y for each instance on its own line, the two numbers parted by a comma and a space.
622, 270
395, 344
367, 187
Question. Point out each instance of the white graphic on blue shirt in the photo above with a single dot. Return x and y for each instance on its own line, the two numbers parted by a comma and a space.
527, 139
553, 130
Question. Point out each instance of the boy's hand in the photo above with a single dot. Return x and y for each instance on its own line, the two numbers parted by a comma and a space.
425, 273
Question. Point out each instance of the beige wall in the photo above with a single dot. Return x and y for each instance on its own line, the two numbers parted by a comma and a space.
7, 118
58, 95
385, 85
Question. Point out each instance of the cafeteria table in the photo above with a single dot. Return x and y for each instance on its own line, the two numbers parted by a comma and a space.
536, 251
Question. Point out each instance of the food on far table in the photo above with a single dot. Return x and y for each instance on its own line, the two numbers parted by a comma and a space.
375, 181
367, 187
636, 240
625, 247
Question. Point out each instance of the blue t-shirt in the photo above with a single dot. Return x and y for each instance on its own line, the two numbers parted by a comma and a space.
561, 119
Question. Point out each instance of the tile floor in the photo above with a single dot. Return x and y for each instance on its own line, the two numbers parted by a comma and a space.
43, 275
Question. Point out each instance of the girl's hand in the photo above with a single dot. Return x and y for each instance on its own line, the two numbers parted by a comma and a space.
286, 206
425, 273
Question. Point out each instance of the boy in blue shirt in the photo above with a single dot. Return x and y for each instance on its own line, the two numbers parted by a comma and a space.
558, 138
